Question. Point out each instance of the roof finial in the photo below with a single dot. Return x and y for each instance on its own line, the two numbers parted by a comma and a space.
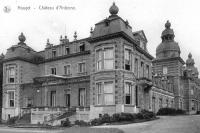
22, 38
114, 9
190, 55
75, 35
167, 25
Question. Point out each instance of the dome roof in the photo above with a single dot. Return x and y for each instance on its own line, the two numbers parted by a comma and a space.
168, 47
190, 60
114, 9
20, 50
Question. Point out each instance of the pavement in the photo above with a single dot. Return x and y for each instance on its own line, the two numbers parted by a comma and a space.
166, 124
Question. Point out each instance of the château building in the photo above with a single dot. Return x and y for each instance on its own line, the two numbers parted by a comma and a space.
111, 71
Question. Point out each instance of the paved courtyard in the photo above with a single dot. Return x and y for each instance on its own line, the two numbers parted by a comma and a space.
166, 124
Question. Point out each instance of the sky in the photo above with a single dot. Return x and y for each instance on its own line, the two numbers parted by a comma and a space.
149, 15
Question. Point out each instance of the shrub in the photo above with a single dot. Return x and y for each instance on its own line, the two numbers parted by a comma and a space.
170, 111
66, 123
198, 112
12, 120
81, 123
96, 121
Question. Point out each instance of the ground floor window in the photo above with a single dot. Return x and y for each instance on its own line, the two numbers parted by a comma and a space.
82, 97
193, 105
160, 103
128, 93
53, 98
105, 93
11, 100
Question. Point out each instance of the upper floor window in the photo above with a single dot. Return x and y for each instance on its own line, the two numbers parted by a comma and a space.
67, 70
81, 67
108, 58
164, 70
128, 93
192, 91
127, 59
82, 47
54, 53
105, 58
136, 67
142, 69
11, 75
147, 71
105, 93
67, 51
11, 98
53, 71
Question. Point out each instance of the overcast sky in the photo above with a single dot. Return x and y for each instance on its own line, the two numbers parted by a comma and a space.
147, 15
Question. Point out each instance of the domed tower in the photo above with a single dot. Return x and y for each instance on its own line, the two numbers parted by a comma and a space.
191, 69
168, 47
168, 54
169, 63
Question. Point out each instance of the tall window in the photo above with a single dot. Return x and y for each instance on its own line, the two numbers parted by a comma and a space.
105, 59
11, 100
108, 93
108, 58
81, 67
53, 71
136, 96
67, 70
142, 69
136, 67
147, 71
67, 51
11, 75
105, 93
127, 59
128, 91
192, 91
53, 98
99, 93
193, 105
99, 59
54, 53
164, 70
82, 97
160, 102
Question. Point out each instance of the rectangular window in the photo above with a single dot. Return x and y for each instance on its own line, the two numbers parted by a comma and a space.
82, 97
142, 69
108, 58
164, 70
99, 59
53, 71
81, 67
160, 103
193, 105
136, 67
53, 98
147, 71
105, 93
67, 70
11, 75
192, 91
127, 59
53, 53
128, 91
67, 51
108, 93
11, 100
99, 93
82, 47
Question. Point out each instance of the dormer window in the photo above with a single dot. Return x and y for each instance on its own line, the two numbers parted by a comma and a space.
82, 47
67, 51
164, 70
53, 53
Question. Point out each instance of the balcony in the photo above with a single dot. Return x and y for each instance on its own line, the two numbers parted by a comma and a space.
146, 83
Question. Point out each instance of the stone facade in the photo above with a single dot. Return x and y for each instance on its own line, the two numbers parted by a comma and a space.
108, 72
